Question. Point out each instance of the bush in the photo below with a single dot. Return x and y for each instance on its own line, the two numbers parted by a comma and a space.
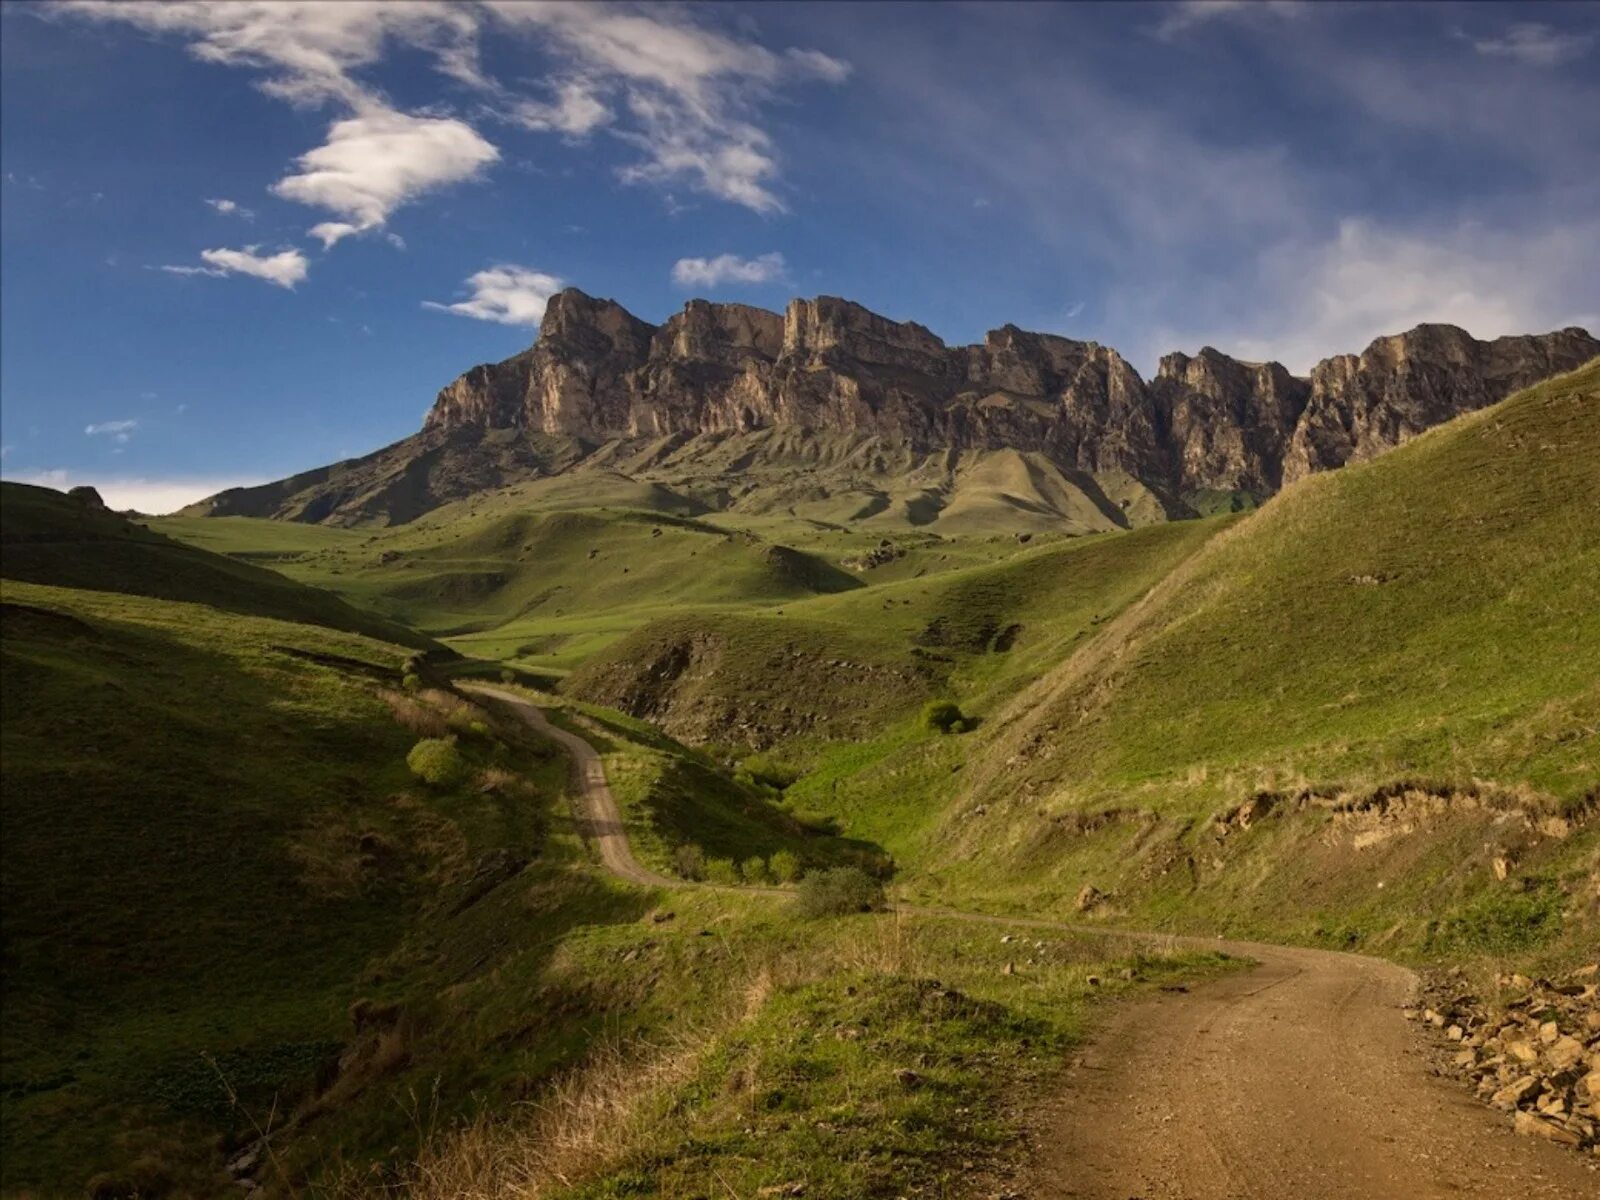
764, 770
838, 891
411, 682
437, 761
943, 716
507, 675
754, 869
689, 861
721, 870
784, 867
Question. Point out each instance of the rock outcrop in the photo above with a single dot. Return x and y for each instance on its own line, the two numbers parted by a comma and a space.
1534, 1055
1205, 425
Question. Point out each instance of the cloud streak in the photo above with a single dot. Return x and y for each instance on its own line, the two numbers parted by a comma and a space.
117, 431
285, 268
727, 268
686, 95
505, 294
1536, 45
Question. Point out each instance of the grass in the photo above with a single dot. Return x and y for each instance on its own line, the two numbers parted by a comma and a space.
1404, 654
672, 796
50, 538
858, 1056
210, 835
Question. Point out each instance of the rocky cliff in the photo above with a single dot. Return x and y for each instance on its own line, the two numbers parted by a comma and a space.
1205, 425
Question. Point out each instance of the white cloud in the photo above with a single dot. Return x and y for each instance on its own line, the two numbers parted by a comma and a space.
154, 496
378, 160
686, 94
1185, 15
1315, 299
232, 208
118, 431
659, 77
1536, 45
727, 268
310, 51
575, 111
285, 268
506, 294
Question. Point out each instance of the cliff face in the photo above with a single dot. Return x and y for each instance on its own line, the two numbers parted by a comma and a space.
1205, 423
1362, 405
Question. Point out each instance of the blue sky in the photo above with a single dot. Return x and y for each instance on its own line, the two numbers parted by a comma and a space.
244, 239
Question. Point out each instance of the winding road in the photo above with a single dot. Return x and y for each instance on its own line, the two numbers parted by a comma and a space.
1297, 1080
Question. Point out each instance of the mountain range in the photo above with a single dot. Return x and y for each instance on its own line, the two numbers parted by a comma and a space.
902, 425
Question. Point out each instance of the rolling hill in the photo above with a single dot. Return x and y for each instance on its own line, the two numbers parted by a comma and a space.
47, 537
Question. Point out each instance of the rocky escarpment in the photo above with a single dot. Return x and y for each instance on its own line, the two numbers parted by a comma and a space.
1204, 425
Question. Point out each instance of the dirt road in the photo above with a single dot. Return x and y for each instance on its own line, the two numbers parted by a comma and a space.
599, 815
1298, 1080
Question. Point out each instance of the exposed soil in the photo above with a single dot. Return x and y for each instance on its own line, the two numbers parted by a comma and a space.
1300, 1078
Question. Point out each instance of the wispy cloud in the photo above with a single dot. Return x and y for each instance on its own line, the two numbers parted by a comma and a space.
1313, 298
285, 268
232, 208
118, 431
661, 78
727, 268
1537, 45
684, 94
1185, 15
506, 294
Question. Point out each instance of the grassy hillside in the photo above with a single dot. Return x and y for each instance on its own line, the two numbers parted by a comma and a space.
847, 666
228, 907
1330, 722
51, 538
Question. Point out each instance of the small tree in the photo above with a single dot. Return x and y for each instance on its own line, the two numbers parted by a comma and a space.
784, 866
722, 870
507, 675
411, 682
689, 861
837, 892
754, 869
943, 716
437, 761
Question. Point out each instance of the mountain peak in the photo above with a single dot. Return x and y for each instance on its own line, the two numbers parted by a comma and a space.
1206, 424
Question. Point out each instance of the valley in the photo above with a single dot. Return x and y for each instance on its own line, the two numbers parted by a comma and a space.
1025, 725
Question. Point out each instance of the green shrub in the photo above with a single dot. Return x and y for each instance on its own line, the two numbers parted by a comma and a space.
943, 716
689, 861
507, 675
722, 870
784, 866
821, 824
764, 770
754, 869
437, 761
838, 891
411, 682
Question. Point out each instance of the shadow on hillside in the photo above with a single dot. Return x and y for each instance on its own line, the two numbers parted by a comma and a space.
693, 800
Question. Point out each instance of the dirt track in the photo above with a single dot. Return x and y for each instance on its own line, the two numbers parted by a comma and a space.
601, 818
1298, 1080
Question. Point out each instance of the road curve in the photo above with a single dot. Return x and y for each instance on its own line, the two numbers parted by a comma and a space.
598, 816
1298, 1080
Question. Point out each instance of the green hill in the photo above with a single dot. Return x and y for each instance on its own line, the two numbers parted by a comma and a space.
1365, 712
47, 537
848, 665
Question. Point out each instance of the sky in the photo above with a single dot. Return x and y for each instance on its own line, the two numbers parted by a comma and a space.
238, 240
